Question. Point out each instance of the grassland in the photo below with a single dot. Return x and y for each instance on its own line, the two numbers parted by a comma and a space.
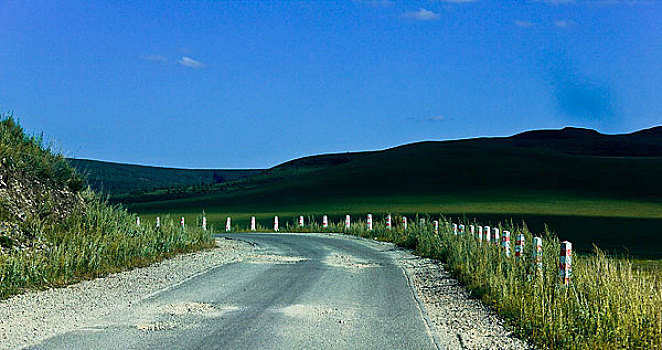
587, 187
54, 231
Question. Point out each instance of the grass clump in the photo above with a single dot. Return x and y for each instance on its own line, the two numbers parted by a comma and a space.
54, 231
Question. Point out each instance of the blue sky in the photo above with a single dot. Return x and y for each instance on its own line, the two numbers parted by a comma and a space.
251, 84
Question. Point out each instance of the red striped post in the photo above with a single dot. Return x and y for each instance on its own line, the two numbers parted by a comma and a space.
537, 253
496, 237
454, 229
325, 221
138, 221
460, 229
204, 223
348, 222
480, 234
301, 221
369, 222
436, 226
389, 224
472, 230
181, 223
565, 262
487, 234
404, 223
519, 246
158, 222
253, 226
505, 242
275, 223
228, 224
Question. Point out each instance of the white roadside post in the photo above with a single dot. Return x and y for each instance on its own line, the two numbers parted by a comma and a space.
348, 222
275, 223
204, 223
253, 226
565, 262
480, 234
389, 223
369, 222
138, 221
404, 222
228, 224
436, 226
181, 222
487, 234
421, 222
454, 229
472, 230
325, 221
300, 220
505, 242
158, 222
460, 229
519, 246
496, 237
537, 254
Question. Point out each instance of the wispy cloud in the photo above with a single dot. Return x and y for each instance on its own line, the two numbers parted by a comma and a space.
421, 15
563, 23
436, 118
191, 63
524, 24
155, 58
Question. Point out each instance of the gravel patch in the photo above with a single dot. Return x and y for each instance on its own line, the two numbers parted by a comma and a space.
25, 319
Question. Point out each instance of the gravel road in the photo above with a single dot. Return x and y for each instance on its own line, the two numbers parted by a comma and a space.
263, 291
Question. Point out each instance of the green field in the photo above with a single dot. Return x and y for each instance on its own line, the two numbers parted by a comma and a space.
587, 187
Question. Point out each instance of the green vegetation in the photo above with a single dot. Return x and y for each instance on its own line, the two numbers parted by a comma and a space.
609, 303
588, 187
54, 232
134, 180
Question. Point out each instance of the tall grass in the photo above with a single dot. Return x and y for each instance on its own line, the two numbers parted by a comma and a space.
608, 304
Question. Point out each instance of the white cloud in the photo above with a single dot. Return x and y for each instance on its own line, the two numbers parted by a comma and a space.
563, 23
436, 118
524, 24
191, 63
155, 58
422, 15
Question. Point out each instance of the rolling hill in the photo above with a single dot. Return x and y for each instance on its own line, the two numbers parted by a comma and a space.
114, 178
572, 179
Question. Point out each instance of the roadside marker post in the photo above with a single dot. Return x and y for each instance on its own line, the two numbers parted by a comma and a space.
228, 224
325, 221
496, 237
519, 246
253, 226
301, 221
348, 222
275, 223
404, 222
454, 229
138, 221
181, 222
204, 223
537, 253
421, 222
369, 222
472, 230
565, 262
480, 235
460, 229
436, 226
487, 233
505, 242
389, 224
158, 222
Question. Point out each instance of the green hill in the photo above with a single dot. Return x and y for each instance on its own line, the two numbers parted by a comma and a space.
114, 178
576, 180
